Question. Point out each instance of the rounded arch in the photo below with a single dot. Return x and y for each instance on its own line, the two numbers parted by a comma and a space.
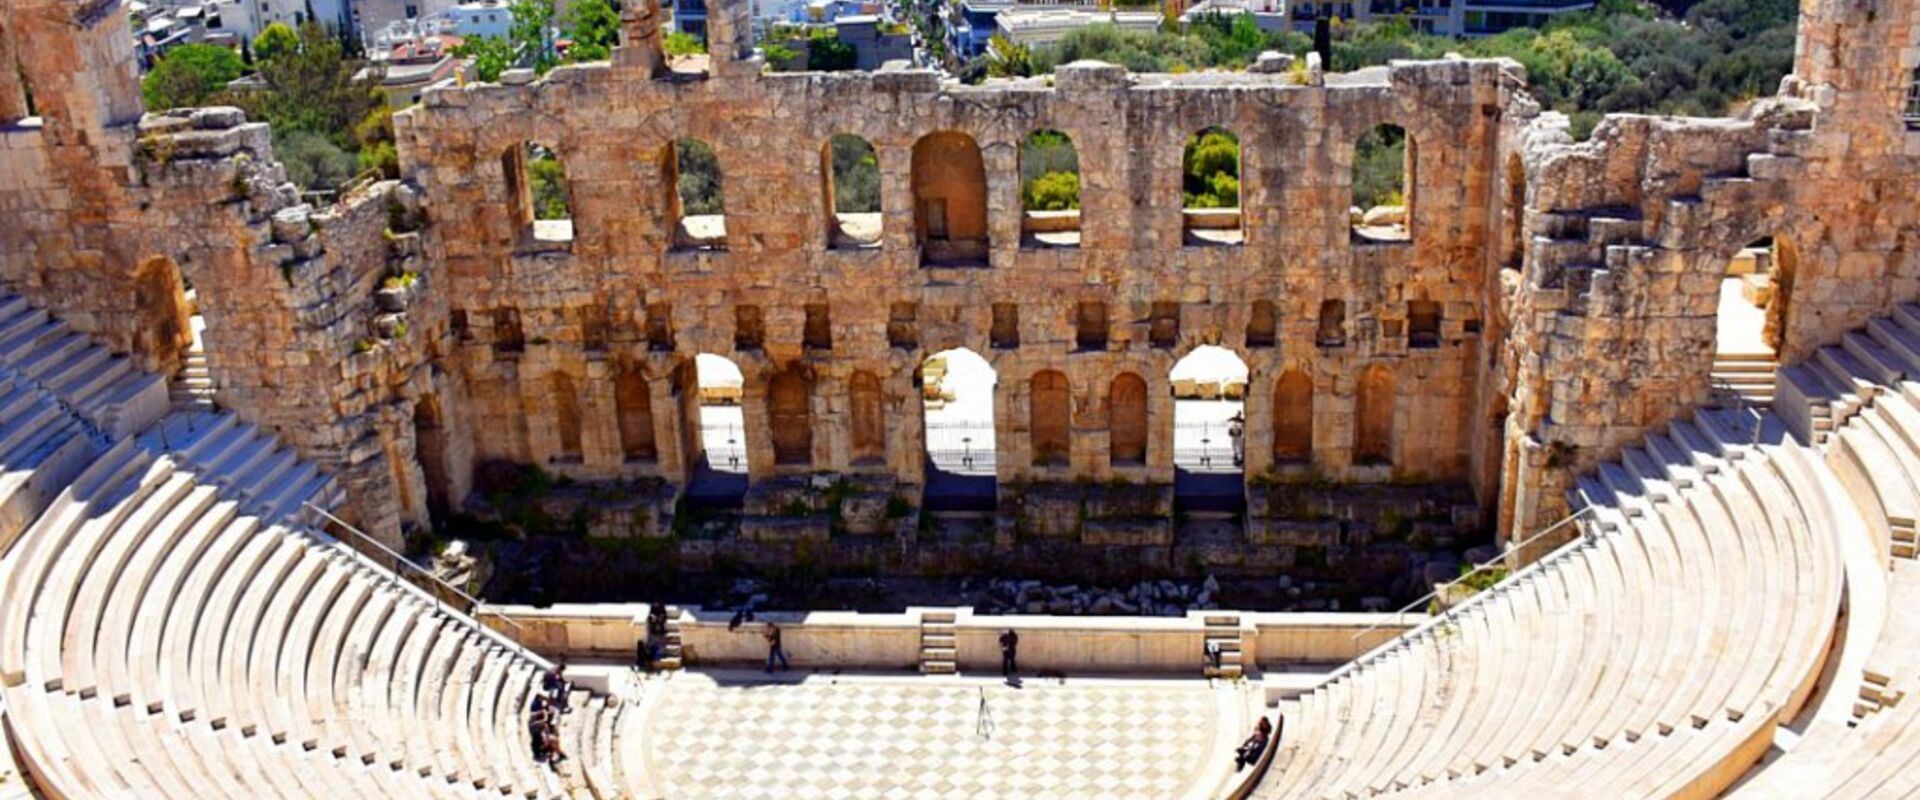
165, 332
633, 404
430, 450
1049, 189
949, 178
1210, 188
1050, 418
1373, 402
1127, 419
789, 416
1384, 183
958, 415
850, 173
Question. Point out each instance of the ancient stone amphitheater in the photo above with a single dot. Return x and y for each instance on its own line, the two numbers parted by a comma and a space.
223, 403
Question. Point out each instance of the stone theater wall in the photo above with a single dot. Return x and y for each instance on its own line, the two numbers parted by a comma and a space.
1549, 301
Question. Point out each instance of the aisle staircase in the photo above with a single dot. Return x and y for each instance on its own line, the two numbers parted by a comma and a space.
170, 628
939, 643
1223, 632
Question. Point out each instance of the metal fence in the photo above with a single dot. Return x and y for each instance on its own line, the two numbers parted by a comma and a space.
725, 446
1205, 446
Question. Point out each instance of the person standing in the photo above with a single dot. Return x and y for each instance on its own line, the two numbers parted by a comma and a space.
1237, 435
774, 650
1009, 653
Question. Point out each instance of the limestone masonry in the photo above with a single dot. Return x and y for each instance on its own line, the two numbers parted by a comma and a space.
1549, 302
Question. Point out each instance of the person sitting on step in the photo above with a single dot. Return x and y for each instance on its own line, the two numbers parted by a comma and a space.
1249, 752
557, 687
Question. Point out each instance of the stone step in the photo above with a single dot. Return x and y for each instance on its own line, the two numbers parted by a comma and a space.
938, 668
1225, 671
938, 654
937, 640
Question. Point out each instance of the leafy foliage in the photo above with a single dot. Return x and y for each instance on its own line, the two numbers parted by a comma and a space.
1379, 167
684, 44
1049, 172
856, 175
329, 118
700, 191
1008, 59
547, 181
826, 53
529, 41
1700, 58
1211, 170
594, 28
189, 74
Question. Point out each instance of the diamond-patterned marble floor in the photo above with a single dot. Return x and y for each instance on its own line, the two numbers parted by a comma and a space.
907, 738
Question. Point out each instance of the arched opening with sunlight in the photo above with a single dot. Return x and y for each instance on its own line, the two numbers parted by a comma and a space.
723, 432
1049, 190
957, 393
1210, 189
1751, 320
1383, 170
852, 171
950, 200
1209, 389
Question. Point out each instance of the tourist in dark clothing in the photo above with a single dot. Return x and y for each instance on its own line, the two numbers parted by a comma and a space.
1256, 744
774, 650
557, 687
1009, 652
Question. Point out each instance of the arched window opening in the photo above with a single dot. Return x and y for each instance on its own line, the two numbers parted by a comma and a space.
700, 208
1210, 189
789, 413
537, 193
633, 399
1423, 324
853, 192
723, 432
1263, 324
430, 449
1515, 244
1912, 111
950, 200
1127, 420
1293, 418
867, 423
1373, 423
1050, 419
1751, 319
566, 418
1383, 184
1332, 330
1049, 190
166, 331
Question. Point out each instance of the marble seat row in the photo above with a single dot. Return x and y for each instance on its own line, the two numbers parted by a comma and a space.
203, 644
1694, 612
104, 389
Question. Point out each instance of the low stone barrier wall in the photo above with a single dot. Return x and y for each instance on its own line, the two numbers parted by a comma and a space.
853, 640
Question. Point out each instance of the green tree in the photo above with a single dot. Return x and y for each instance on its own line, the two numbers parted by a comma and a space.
189, 74
311, 92
1379, 167
594, 28
277, 40
547, 182
856, 175
826, 53
314, 161
684, 44
1008, 59
529, 42
1054, 191
1211, 165
700, 190
491, 56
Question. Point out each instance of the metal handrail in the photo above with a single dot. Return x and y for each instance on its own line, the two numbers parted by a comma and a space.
475, 607
1501, 559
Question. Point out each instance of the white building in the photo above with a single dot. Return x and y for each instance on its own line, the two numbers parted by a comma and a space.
1037, 27
481, 18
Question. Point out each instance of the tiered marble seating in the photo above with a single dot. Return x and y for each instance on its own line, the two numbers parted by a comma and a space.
1652, 657
102, 388
203, 647
169, 627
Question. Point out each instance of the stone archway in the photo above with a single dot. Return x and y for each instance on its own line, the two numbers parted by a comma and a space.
633, 403
949, 178
430, 449
789, 401
1373, 417
1293, 417
1127, 427
165, 330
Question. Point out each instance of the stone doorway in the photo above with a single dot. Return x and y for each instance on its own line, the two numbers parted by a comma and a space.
1749, 322
1209, 389
957, 392
720, 472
